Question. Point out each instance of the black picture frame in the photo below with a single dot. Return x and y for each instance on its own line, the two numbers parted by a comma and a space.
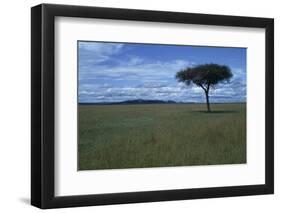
43, 102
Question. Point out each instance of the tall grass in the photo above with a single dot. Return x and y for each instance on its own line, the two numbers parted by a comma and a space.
158, 135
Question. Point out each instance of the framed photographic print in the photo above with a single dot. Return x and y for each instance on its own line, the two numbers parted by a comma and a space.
139, 106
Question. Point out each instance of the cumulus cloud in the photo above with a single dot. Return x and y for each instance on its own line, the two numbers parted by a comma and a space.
130, 93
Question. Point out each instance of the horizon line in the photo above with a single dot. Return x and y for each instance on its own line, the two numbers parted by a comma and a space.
164, 102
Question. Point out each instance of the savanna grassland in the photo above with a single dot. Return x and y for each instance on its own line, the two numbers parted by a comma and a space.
160, 135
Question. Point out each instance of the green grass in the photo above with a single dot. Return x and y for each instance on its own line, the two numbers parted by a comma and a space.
160, 135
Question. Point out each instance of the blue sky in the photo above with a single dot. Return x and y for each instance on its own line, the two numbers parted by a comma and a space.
113, 72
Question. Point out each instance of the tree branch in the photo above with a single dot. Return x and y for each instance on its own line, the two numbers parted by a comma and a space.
203, 87
208, 86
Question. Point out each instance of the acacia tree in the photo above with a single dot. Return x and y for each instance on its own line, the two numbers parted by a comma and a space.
205, 76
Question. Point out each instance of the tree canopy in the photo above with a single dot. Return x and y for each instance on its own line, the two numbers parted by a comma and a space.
205, 76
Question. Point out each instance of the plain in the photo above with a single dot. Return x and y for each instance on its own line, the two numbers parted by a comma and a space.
157, 135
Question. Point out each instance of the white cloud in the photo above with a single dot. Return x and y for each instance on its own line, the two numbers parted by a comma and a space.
101, 48
98, 52
161, 92
136, 68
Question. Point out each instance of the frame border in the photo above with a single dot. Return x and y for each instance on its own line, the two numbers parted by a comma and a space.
43, 113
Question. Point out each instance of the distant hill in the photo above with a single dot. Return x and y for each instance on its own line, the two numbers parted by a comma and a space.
142, 101
136, 101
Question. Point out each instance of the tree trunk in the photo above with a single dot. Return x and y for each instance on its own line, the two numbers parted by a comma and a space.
207, 101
